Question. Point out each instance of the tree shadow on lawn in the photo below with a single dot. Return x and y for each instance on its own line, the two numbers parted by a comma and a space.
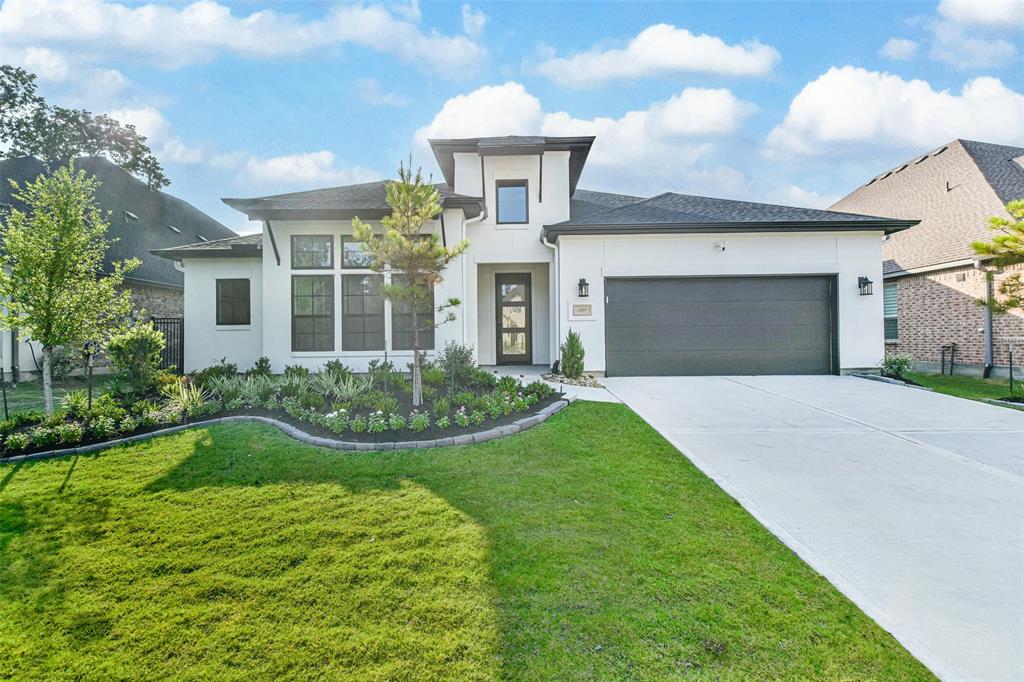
584, 548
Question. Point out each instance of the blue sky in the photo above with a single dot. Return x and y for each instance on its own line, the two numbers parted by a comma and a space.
793, 103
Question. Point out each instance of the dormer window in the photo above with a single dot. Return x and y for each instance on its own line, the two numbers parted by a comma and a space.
512, 201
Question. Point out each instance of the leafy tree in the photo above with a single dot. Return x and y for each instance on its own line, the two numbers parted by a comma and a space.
51, 268
31, 127
419, 258
1007, 248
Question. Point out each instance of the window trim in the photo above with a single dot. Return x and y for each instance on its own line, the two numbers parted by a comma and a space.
216, 302
384, 314
333, 341
895, 316
498, 184
329, 237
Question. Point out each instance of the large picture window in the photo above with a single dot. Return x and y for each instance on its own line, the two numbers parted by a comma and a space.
401, 321
362, 312
891, 311
312, 312
312, 252
233, 302
513, 206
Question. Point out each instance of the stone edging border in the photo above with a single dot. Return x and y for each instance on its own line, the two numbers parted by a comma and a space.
887, 380
302, 436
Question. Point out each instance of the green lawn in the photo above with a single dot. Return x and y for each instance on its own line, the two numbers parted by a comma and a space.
974, 388
585, 548
28, 395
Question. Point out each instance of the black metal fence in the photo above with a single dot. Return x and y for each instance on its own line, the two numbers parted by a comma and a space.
174, 346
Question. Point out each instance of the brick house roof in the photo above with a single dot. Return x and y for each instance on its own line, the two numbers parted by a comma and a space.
952, 190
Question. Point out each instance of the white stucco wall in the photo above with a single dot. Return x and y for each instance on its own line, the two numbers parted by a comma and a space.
205, 342
539, 313
846, 255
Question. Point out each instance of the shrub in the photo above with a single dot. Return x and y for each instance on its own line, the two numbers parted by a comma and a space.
19, 419
16, 442
509, 384
296, 371
128, 425
895, 365
135, 352
572, 355
226, 389
396, 422
256, 390
456, 361
419, 421
290, 385
441, 407
519, 403
186, 398
461, 418
312, 401
338, 369
221, 369
76, 403
377, 423
102, 428
104, 406
358, 424
63, 361
539, 389
432, 376
386, 404
347, 389
463, 399
336, 421
44, 436
261, 368
70, 433
443, 422
481, 378
477, 418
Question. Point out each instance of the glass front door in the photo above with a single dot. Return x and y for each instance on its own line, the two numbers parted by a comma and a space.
512, 304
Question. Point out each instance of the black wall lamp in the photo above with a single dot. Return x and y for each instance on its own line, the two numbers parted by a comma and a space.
583, 288
866, 286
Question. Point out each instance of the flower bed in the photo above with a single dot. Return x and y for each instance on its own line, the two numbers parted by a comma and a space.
333, 404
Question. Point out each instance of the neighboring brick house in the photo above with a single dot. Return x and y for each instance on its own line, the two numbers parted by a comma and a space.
141, 219
933, 279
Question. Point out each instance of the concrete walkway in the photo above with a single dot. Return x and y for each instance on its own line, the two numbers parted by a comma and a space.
911, 502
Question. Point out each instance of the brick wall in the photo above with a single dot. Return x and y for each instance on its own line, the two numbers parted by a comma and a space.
157, 301
938, 308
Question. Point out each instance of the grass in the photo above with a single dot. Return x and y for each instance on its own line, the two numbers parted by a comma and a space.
28, 395
974, 388
585, 548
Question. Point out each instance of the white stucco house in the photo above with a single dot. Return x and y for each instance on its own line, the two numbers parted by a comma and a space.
671, 284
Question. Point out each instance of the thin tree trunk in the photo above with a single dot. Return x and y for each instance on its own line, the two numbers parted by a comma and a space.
47, 381
417, 375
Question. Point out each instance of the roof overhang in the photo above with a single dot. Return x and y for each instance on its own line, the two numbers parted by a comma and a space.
257, 209
578, 148
236, 251
553, 232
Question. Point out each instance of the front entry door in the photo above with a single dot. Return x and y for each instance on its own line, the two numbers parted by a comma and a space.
512, 304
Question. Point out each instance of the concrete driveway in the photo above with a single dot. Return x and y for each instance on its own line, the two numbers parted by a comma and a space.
911, 502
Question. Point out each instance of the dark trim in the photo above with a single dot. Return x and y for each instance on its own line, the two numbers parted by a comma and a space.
248, 300
498, 184
239, 251
273, 242
329, 266
887, 226
256, 209
513, 277
540, 181
444, 237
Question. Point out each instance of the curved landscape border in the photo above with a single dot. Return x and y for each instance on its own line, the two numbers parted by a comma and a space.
318, 441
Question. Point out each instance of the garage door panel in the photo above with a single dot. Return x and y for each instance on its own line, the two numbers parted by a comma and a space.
719, 325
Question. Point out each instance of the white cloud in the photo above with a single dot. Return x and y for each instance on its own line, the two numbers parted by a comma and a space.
794, 195
368, 91
311, 168
984, 12
662, 146
151, 123
847, 107
899, 49
45, 63
473, 21
172, 36
658, 50
952, 45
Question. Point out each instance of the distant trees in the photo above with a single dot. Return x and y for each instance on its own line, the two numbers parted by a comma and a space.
1006, 248
31, 127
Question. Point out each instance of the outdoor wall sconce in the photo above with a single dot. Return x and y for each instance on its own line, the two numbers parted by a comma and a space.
866, 286
583, 288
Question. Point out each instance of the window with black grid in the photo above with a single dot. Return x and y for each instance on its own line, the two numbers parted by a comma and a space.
312, 312
401, 321
312, 252
362, 312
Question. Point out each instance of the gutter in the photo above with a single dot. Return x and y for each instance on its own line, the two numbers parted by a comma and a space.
886, 226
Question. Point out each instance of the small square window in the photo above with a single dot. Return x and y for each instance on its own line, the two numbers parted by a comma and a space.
312, 252
512, 199
353, 254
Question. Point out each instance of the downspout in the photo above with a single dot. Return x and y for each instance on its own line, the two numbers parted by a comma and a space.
558, 294
989, 296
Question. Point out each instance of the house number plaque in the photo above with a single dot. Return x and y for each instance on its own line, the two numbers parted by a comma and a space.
582, 309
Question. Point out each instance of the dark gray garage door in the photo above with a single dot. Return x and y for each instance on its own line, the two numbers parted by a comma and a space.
719, 325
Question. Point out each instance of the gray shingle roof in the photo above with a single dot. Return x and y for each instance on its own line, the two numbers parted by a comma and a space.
120, 192
588, 202
242, 246
685, 212
367, 199
998, 163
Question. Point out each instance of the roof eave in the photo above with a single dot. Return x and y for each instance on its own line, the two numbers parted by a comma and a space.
885, 226
239, 251
255, 210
